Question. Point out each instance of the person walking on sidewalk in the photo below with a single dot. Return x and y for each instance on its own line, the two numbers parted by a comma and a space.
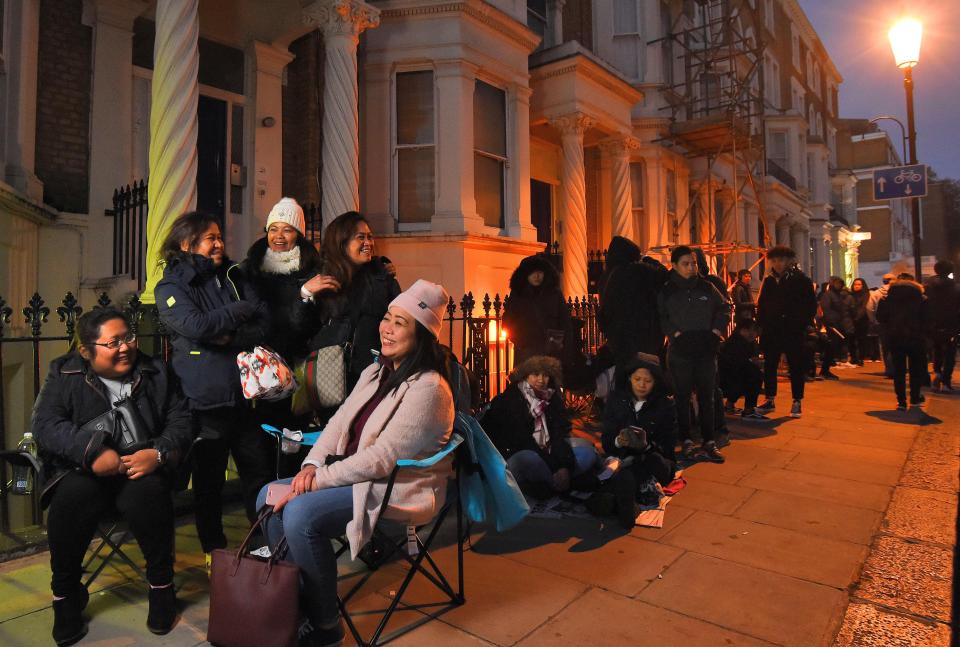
786, 305
903, 313
693, 315
943, 294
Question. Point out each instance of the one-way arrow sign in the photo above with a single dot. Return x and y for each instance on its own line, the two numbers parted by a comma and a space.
900, 182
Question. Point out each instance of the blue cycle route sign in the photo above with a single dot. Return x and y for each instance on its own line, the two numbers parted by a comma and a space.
900, 182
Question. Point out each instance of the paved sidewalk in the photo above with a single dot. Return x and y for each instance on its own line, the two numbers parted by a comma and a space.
837, 528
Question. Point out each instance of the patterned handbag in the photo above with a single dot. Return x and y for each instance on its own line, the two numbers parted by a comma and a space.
325, 373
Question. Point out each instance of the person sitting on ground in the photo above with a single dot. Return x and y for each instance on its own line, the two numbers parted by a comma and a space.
739, 370
400, 408
694, 316
530, 427
903, 314
744, 308
536, 316
86, 474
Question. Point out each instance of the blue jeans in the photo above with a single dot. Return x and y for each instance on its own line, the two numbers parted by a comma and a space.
529, 468
310, 521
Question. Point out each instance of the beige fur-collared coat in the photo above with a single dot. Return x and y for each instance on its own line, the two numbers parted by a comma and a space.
414, 422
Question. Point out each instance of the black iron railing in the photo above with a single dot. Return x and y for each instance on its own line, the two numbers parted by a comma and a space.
129, 215
774, 170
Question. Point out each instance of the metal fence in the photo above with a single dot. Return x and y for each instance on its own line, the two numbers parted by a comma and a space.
130, 231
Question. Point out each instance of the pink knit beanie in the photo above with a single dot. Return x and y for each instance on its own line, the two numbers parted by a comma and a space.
426, 302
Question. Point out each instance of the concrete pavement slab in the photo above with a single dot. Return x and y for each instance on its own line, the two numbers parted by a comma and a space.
704, 494
808, 557
610, 561
922, 514
847, 452
766, 605
845, 468
630, 622
812, 516
826, 488
506, 600
740, 459
911, 576
881, 437
675, 514
866, 625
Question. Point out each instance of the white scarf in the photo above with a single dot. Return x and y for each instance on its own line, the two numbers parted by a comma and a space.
281, 262
538, 408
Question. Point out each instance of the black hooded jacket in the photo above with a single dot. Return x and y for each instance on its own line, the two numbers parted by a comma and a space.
903, 312
291, 320
628, 313
531, 311
943, 295
786, 305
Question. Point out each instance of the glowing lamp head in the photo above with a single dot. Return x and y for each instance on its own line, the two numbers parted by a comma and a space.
905, 37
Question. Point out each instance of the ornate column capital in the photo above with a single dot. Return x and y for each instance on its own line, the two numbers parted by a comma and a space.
341, 17
575, 123
619, 146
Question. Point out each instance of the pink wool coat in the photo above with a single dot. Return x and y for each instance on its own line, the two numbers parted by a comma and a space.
414, 422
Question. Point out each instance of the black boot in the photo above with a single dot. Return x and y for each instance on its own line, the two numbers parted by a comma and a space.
69, 625
163, 610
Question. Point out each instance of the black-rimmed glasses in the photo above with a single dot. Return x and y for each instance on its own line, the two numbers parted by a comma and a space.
116, 342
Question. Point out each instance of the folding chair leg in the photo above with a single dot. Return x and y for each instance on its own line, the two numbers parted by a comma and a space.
115, 550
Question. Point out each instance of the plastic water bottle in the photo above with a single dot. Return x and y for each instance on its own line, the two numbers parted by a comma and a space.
23, 475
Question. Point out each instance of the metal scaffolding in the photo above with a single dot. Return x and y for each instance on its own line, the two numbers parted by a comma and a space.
714, 90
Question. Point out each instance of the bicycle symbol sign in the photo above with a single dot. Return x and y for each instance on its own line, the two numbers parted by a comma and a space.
900, 182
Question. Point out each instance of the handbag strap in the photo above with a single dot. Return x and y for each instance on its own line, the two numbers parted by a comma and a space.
265, 514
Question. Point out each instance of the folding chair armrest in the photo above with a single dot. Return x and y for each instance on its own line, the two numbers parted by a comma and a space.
455, 441
309, 438
21, 459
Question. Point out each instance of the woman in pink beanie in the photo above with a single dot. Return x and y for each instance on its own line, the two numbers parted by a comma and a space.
400, 408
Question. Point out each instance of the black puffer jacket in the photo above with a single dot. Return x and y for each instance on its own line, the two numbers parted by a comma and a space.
838, 306
628, 314
510, 426
72, 395
620, 253
292, 321
354, 314
693, 308
212, 314
658, 416
943, 295
786, 305
532, 311
903, 312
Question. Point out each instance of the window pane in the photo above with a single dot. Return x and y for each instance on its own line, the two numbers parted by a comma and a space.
415, 108
415, 178
636, 184
624, 17
488, 189
626, 55
489, 119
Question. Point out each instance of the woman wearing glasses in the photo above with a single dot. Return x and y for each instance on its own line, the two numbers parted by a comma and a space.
88, 474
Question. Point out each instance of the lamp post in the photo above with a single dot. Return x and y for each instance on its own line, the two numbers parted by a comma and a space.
905, 39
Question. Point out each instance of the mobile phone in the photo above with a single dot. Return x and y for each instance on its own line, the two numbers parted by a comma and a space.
276, 491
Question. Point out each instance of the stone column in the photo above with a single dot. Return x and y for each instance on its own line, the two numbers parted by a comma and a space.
573, 201
617, 152
172, 189
111, 105
517, 216
264, 87
18, 153
783, 230
800, 242
342, 22
554, 35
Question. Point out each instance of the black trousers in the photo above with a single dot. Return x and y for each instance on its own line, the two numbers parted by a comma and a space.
694, 375
944, 356
858, 340
225, 432
793, 346
908, 354
746, 383
81, 499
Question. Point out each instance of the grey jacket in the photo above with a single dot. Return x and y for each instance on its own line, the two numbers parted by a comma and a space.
691, 305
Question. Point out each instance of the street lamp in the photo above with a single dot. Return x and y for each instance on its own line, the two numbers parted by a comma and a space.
905, 37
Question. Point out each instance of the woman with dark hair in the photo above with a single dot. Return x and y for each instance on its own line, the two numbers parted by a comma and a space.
213, 314
361, 286
536, 316
861, 321
530, 427
400, 408
86, 474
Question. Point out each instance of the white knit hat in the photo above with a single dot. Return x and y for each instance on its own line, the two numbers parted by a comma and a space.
289, 212
426, 302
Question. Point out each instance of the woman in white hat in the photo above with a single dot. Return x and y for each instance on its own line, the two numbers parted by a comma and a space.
401, 408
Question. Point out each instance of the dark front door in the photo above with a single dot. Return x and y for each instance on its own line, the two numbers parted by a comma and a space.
211, 156
541, 210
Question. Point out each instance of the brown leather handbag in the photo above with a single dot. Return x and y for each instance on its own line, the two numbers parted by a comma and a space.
253, 601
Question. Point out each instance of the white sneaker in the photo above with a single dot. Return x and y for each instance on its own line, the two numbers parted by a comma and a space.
795, 409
